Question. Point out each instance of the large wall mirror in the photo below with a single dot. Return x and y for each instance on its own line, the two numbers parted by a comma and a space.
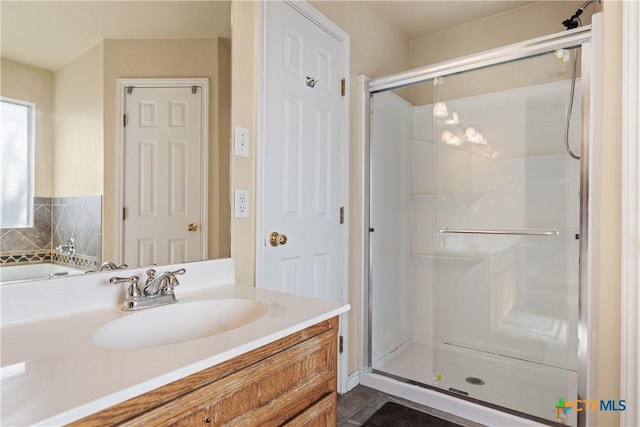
61, 62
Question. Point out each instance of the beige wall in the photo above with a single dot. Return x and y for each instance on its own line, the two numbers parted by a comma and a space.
608, 332
170, 58
223, 236
244, 74
77, 154
514, 26
26, 83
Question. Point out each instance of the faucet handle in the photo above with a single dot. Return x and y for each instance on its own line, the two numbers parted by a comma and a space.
116, 280
172, 280
133, 291
151, 275
177, 272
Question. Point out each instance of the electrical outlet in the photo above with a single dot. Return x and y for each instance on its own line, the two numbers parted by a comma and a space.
241, 142
241, 203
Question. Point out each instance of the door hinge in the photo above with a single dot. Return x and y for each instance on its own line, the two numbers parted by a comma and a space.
124, 120
124, 213
341, 344
343, 87
341, 214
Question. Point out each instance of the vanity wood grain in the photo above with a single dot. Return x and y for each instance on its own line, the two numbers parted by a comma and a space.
291, 381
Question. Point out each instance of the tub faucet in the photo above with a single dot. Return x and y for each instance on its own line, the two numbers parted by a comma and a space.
157, 290
69, 249
108, 266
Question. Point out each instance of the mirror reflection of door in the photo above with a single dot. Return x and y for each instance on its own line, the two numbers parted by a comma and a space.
164, 175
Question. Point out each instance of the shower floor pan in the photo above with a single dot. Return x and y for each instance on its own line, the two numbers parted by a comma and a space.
511, 383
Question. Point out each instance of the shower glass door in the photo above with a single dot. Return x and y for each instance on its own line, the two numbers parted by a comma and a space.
474, 234
505, 206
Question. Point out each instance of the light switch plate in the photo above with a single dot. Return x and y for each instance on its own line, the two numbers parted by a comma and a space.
241, 203
241, 142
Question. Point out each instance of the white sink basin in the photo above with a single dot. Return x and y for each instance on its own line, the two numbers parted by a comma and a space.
177, 323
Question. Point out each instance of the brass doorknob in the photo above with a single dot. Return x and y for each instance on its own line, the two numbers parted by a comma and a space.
192, 227
276, 239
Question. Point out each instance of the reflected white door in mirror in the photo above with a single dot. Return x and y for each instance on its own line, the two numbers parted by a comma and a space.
165, 172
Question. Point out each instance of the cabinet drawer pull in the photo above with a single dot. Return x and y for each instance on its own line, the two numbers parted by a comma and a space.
207, 420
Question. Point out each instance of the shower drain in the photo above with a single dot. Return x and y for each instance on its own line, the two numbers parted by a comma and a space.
474, 380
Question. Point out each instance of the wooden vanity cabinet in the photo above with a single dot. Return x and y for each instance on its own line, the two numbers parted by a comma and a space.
291, 382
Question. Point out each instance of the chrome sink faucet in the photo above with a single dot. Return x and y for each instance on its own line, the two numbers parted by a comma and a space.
157, 290
162, 284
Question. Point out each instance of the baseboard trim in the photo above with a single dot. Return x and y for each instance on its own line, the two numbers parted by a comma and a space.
353, 380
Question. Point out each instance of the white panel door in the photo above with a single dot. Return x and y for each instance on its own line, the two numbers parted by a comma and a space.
163, 192
302, 161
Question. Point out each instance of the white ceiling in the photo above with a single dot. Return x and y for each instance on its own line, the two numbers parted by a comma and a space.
48, 34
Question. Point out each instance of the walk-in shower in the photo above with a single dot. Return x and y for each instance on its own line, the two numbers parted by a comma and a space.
477, 220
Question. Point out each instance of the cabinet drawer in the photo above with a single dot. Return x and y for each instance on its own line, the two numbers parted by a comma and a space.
324, 413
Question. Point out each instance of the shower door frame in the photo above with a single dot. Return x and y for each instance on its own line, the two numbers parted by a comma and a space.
590, 39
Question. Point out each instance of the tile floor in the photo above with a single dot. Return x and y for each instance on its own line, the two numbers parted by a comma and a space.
358, 405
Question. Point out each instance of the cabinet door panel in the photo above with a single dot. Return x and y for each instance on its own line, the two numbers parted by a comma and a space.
268, 392
198, 418
268, 386
322, 414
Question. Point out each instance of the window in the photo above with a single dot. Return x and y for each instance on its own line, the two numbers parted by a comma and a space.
16, 158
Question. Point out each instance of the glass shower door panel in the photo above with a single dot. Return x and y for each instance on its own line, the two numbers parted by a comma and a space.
506, 248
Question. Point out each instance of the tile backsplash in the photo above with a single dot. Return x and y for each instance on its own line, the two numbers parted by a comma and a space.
56, 219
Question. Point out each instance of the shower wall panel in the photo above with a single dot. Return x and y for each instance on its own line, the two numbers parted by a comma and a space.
390, 218
422, 207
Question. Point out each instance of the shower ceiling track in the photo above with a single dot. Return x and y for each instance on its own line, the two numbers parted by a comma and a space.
512, 52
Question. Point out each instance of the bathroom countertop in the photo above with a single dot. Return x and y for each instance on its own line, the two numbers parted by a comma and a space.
53, 373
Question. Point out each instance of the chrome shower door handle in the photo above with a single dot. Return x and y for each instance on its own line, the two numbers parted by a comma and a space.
507, 232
